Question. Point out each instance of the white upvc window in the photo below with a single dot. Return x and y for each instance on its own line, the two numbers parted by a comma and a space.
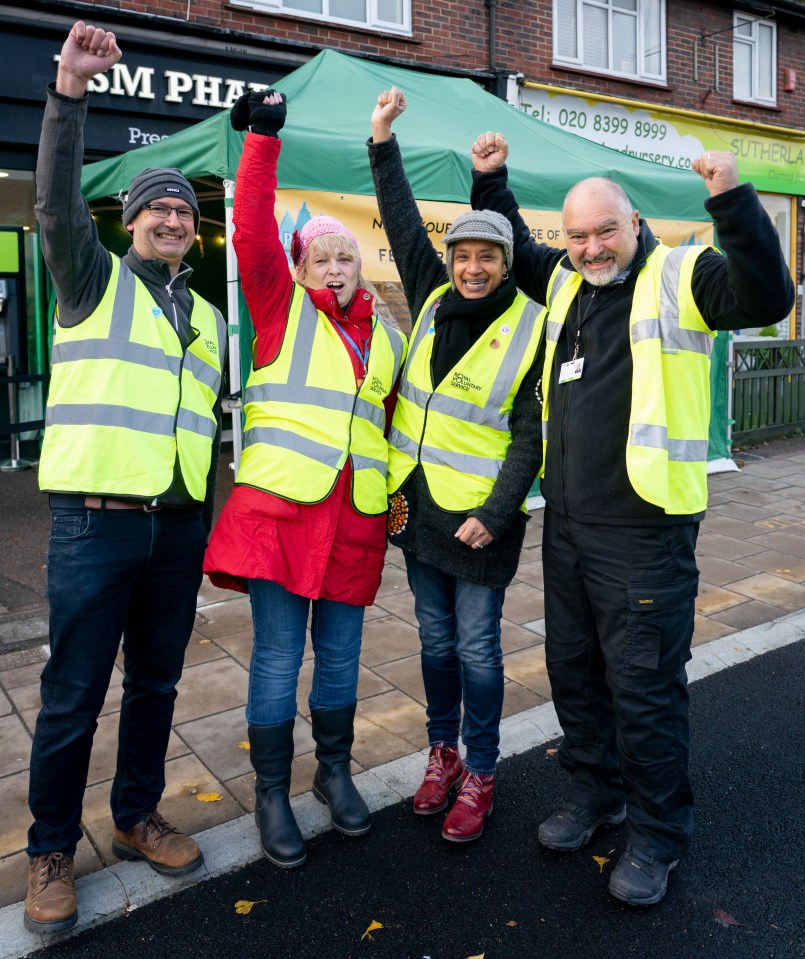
754, 53
624, 38
389, 16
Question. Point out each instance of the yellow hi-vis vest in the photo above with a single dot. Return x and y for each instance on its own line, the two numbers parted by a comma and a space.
666, 452
460, 431
305, 415
124, 401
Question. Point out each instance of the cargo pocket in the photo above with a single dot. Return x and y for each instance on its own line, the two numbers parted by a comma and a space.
659, 624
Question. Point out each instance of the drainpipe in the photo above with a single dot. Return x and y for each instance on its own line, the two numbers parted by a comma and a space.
500, 83
493, 5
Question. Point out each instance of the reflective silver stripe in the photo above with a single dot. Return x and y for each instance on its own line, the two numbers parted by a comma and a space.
97, 414
473, 465
202, 371
545, 430
560, 277
153, 357
300, 393
287, 440
413, 393
123, 309
553, 331
403, 443
368, 463
303, 342
507, 372
376, 415
452, 406
679, 451
396, 348
194, 423
470, 413
488, 415
220, 324
672, 336
422, 327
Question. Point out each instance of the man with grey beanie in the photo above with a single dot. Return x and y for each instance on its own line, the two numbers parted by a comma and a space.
129, 461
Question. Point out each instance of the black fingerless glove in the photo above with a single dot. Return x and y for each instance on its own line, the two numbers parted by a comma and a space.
250, 111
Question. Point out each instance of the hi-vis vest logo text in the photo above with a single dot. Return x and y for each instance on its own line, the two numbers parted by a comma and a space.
462, 382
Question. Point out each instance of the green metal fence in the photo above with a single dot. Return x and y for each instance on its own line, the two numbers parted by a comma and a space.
768, 389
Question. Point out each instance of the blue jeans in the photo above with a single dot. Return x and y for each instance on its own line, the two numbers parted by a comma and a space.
459, 626
280, 628
111, 573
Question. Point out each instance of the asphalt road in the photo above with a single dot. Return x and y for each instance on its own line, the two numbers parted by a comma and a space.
740, 893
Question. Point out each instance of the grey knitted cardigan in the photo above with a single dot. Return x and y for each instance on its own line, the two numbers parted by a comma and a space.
429, 532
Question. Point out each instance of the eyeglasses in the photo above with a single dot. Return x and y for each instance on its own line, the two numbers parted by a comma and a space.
163, 212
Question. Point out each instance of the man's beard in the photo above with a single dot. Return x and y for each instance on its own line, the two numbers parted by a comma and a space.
600, 277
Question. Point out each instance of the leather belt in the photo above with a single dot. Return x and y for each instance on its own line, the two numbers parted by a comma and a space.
104, 502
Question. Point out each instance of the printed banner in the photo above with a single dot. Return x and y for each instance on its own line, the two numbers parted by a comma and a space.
773, 163
295, 207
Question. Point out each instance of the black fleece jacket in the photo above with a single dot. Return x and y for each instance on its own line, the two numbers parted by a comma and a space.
80, 266
430, 530
585, 467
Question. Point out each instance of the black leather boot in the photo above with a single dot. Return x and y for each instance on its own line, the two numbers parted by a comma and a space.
334, 733
271, 751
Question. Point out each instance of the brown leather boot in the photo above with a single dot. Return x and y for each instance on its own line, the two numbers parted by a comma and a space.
164, 848
50, 905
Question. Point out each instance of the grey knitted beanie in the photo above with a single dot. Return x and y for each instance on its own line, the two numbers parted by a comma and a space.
480, 225
155, 184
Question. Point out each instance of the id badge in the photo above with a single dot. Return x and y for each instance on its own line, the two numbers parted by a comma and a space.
571, 370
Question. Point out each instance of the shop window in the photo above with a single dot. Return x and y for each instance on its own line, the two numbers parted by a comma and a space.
624, 38
392, 16
779, 209
754, 59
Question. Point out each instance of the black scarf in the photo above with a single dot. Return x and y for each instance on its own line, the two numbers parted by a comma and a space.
460, 322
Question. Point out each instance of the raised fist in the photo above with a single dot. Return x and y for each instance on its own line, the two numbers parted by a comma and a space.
264, 111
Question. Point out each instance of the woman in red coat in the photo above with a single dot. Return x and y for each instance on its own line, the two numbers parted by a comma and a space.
306, 520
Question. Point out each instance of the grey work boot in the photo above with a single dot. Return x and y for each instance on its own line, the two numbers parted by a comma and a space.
574, 825
638, 879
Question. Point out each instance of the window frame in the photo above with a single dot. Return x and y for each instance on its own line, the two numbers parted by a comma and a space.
739, 18
373, 21
642, 75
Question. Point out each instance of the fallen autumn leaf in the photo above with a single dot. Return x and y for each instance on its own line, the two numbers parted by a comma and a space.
374, 924
209, 797
244, 906
601, 860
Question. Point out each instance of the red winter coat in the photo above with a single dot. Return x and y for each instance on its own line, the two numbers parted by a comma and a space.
321, 550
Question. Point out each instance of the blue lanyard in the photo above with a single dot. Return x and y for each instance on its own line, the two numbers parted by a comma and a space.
362, 356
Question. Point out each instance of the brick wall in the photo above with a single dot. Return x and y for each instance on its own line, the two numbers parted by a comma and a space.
446, 34
455, 35
526, 46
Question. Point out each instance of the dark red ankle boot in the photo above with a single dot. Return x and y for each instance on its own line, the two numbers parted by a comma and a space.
445, 767
465, 820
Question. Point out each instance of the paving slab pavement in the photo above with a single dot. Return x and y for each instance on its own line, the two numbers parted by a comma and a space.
752, 558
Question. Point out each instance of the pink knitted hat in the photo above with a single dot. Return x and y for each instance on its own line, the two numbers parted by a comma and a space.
317, 226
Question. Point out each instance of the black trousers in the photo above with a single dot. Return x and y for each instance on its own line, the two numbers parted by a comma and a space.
619, 608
